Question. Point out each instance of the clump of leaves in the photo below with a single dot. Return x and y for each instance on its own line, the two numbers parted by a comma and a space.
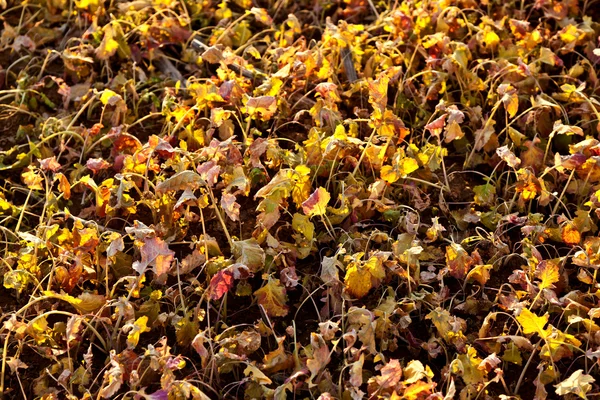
204, 199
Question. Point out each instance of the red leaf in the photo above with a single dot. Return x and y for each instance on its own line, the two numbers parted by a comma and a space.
220, 284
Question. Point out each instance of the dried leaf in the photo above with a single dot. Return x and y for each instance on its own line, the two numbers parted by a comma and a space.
86, 302
578, 383
230, 206
220, 284
316, 204
180, 181
155, 253
97, 164
391, 374
273, 297
263, 107
319, 359
508, 156
249, 253
415, 371
113, 378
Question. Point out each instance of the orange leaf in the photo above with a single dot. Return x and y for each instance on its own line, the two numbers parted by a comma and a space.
570, 235
64, 186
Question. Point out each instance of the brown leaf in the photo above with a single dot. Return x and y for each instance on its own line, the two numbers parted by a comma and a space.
320, 357
316, 204
64, 186
458, 261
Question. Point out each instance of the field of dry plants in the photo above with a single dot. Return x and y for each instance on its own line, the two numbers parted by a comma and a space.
309, 199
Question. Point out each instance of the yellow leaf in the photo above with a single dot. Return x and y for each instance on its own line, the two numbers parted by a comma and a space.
448, 326
407, 165
547, 56
32, 179
5, 206
38, 329
512, 105
63, 185
300, 179
418, 390
360, 278
85, 303
547, 272
466, 366
257, 375
491, 39
389, 174
400, 168
357, 280
108, 47
570, 33
302, 224
135, 329
558, 345
531, 323
480, 273
91, 5
108, 96
512, 354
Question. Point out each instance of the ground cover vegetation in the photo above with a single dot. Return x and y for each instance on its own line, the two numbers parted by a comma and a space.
299, 199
